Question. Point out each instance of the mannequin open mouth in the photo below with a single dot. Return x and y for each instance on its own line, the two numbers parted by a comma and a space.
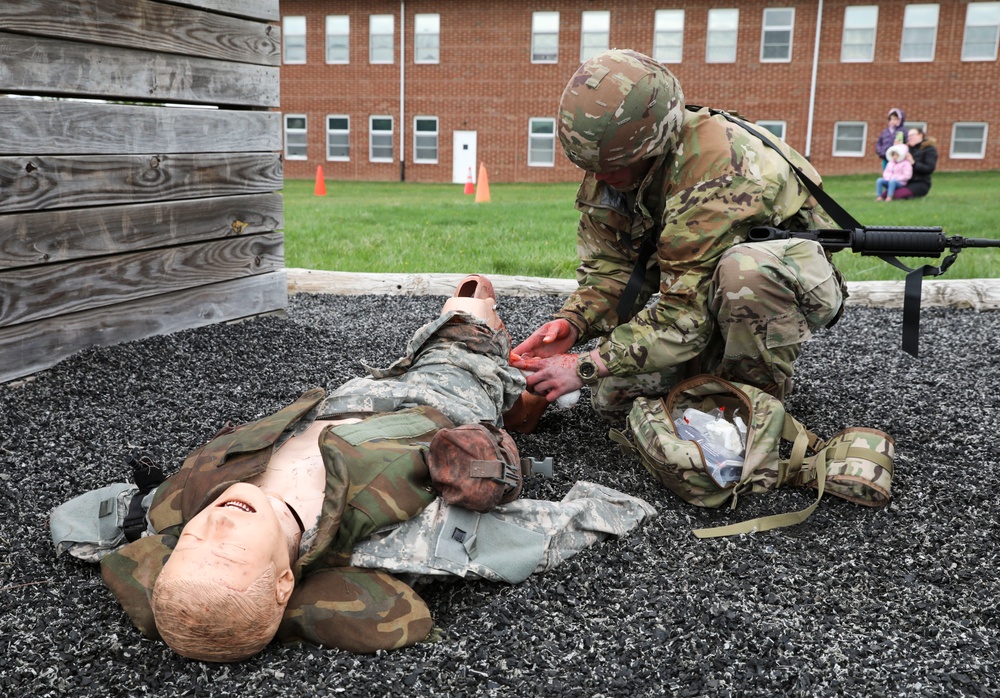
242, 506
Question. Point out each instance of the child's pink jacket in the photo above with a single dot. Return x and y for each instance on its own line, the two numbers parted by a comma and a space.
900, 171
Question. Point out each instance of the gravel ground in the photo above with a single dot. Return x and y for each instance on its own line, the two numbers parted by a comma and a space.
898, 601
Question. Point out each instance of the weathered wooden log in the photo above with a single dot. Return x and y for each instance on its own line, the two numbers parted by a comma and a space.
981, 294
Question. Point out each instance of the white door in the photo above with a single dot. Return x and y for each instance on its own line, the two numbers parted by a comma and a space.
463, 156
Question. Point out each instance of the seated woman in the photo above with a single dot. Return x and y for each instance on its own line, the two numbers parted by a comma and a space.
923, 156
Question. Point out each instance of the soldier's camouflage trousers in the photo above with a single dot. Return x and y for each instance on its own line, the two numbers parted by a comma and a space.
766, 298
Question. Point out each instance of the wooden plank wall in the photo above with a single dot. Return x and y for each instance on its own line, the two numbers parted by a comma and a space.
128, 208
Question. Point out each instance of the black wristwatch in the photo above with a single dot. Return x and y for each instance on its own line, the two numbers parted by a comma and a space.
586, 369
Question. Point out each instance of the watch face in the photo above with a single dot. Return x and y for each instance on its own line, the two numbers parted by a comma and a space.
587, 369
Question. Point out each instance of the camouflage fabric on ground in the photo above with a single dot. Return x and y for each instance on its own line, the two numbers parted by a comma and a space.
507, 544
449, 364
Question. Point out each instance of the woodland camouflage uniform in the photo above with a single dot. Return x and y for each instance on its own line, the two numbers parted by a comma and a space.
739, 310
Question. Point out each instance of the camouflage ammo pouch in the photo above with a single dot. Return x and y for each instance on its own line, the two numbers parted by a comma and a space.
856, 464
476, 466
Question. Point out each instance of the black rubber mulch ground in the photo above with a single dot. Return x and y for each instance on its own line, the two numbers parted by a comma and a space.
899, 601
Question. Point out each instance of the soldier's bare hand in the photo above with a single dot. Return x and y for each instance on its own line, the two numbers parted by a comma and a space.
552, 376
552, 338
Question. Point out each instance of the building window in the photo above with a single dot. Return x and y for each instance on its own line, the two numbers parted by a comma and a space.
668, 36
776, 35
720, 45
922, 125
544, 37
295, 137
849, 138
595, 31
858, 42
968, 141
775, 127
380, 138
381, 37
293, 39
982, 30
338, 138
919, 33
425, 139
338, 39
541, 142
427, 39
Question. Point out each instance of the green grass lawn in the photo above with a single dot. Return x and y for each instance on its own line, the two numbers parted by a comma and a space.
530, 229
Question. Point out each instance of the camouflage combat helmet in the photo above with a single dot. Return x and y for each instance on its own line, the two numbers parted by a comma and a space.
619, 108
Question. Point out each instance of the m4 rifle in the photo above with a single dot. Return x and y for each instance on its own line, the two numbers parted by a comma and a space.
888, 243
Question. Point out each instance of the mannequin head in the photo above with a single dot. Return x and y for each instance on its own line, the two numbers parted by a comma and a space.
221, 595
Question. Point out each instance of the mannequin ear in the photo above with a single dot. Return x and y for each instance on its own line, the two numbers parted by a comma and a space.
283, 587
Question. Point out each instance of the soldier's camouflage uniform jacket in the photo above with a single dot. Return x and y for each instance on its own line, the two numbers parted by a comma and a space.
376, 475
705, 194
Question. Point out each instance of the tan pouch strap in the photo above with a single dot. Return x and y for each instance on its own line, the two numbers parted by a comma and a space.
619, 438
766, 523
802, 439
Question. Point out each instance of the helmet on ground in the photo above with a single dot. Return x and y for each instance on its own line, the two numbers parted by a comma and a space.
619, 108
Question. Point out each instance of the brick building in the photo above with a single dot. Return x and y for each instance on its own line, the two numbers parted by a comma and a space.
424, 91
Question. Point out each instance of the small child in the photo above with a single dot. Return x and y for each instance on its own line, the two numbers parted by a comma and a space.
896, 173
895, 127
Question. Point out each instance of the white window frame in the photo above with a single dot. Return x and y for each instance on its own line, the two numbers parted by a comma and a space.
304, 132
726, 23
338, 27
427, 38
982, 143
773, 127
371, 138
914, 23
976, 18
330, 132
859, 19
922, 125
380, 26
537, 137
595, 33
667, 25
293, 27
419, 135
544, 24
862, 140
773, 28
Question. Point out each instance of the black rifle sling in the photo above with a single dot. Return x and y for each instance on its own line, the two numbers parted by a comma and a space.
911, 293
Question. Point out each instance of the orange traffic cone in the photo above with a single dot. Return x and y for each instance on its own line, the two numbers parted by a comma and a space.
469, 186
483, 188
320, 189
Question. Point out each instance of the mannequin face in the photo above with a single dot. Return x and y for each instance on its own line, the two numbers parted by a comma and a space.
234, 540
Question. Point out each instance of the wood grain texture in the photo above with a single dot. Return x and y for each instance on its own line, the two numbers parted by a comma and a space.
40, 66
255, 9
49, 127
31, 347
48, 182
34, 293
144, 24
48, 237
